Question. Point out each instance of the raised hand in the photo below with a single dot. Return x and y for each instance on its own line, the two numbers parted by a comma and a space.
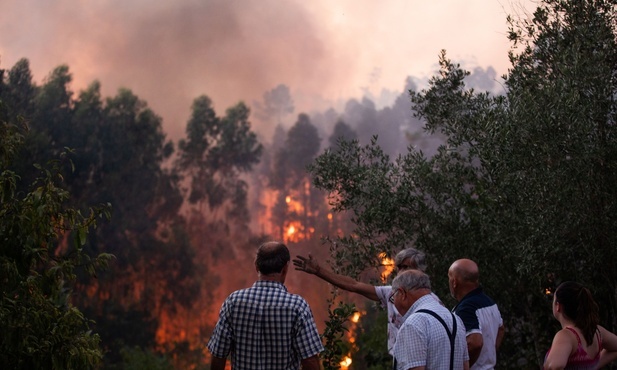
308, 265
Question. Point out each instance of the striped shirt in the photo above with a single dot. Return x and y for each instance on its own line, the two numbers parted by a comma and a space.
265, 328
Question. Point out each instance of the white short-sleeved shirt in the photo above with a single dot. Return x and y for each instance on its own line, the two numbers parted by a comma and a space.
395, 320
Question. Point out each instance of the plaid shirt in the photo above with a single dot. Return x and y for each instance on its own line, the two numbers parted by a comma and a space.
265, 327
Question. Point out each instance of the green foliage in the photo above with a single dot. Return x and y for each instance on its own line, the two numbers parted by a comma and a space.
139, 359
116, 157
524, 184
371, 340
335, 347
40, 327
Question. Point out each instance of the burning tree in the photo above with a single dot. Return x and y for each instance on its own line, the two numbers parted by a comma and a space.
117, 154
298, 204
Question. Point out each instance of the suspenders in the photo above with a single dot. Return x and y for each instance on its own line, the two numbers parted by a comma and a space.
451, 335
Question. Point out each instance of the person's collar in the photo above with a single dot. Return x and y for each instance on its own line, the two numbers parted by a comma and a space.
270, 283
474, 291
416, 305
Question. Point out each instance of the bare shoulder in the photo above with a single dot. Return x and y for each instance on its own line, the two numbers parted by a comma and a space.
609, 339
565, 337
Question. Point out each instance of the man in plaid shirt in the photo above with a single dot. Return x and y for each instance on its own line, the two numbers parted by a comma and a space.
266, 327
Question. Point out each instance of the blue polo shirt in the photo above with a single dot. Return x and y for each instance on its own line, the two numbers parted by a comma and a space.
480, 314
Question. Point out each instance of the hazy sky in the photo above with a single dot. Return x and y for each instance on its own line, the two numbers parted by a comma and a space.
169, 52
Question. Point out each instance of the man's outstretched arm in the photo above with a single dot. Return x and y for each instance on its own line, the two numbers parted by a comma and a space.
312, 266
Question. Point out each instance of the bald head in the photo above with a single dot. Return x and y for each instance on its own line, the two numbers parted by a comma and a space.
466, 270
463, 277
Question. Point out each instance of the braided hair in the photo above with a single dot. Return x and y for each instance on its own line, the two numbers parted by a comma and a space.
579, 306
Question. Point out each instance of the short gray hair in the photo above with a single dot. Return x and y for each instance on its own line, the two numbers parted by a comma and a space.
418, 257
411, 279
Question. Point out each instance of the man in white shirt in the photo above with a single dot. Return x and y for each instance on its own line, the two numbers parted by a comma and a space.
431, 337
407, 259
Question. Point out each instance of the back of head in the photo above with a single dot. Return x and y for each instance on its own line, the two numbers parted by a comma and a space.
411, 279
418, 258
467, 272
271, 258
578, 305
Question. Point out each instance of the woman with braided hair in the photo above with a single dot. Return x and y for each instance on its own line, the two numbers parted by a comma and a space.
581, 343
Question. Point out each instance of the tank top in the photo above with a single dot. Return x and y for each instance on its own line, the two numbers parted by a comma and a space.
580, 360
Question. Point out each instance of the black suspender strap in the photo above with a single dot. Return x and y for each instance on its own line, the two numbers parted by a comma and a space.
451, 335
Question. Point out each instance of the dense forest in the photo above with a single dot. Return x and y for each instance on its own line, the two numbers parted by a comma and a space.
118, 245
166, 218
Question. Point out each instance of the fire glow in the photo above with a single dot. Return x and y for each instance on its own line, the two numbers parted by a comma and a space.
388, 265
345, 363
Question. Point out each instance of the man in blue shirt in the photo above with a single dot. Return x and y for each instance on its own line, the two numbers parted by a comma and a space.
265, 327
479, 313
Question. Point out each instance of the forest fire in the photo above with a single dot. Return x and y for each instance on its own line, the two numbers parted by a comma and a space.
345, 363
291, 230
294, 232
388, 264
293, 205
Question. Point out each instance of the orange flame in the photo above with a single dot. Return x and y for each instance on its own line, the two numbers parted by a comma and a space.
345, 363
294, 232
388, 264
291, 230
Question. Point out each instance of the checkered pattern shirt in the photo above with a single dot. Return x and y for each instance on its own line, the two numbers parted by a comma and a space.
395, 320
265, 328
422, 340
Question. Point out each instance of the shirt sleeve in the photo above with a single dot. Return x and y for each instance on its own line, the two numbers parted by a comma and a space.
470, 319
222, 338
307, 342
383, 293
